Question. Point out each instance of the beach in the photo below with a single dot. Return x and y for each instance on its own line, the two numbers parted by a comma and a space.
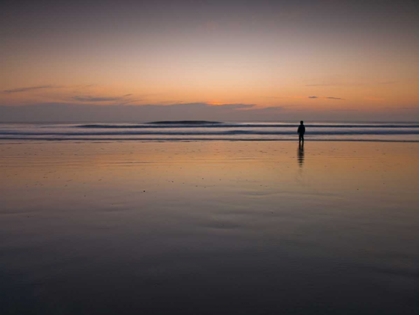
208, 227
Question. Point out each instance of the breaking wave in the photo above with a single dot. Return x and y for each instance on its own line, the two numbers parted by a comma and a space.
211, 130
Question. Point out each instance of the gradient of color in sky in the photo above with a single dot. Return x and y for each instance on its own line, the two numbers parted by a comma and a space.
224, 60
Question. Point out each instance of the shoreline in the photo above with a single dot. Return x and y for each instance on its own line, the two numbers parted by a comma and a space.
204, 140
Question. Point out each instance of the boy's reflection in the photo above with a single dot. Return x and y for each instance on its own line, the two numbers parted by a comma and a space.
300, 155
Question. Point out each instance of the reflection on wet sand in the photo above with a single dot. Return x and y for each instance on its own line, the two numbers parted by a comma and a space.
208, 228
301, 154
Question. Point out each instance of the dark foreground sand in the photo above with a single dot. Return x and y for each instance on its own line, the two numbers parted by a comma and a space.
209, 228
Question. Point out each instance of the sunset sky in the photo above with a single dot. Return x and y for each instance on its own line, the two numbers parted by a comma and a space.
219, 60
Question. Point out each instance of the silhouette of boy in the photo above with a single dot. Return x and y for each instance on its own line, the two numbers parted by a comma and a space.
301, 132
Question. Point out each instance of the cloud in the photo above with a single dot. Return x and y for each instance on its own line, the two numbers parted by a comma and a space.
100, 99
334, 98
30, 88
92, 112
93, 99
328, 98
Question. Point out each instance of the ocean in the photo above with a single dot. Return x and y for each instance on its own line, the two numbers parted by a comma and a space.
212, 130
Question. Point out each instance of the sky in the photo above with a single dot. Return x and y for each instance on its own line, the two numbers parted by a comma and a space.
261, 60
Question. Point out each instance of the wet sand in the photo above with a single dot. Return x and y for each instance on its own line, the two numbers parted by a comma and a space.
212, 227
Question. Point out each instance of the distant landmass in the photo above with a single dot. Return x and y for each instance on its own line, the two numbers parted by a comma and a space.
184, 122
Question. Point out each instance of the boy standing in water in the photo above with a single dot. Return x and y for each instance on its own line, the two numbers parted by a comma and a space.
301, 132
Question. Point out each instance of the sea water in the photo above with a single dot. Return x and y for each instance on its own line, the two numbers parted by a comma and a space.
209, 130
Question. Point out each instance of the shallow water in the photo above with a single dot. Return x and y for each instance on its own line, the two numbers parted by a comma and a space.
208, 228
